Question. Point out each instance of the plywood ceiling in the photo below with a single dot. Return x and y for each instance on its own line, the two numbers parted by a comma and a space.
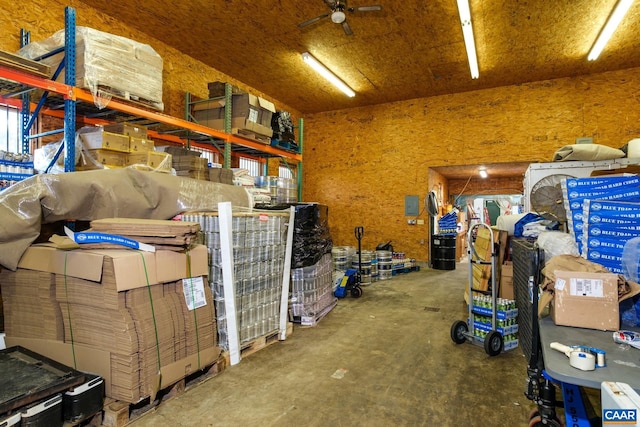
412, 49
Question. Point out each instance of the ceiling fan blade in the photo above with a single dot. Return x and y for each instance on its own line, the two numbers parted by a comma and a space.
347, 28
313, 20
366, 8
330, 3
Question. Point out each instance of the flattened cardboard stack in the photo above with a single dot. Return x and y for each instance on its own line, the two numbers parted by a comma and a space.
30, 306
171, 235
124, 315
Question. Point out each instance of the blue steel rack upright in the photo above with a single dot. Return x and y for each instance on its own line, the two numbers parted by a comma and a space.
69, 65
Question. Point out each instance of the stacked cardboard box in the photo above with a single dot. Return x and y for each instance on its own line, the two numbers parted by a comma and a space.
248, 112
118, 145
193, 167
30, 306
221, 175
125, 315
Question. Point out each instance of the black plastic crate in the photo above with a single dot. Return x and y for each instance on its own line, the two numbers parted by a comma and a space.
84, 400
47, 413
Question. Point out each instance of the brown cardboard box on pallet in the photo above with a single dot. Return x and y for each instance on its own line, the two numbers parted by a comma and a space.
122, 322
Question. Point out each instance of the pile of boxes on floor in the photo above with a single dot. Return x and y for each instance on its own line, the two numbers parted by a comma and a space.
140, 320
595, 290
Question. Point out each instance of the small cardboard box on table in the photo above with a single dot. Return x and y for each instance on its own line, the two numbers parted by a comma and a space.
584, 294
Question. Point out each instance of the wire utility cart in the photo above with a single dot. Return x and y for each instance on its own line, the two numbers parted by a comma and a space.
485, 309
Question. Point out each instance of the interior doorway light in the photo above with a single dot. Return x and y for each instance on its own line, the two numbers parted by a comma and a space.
609, 28
483, 172
467, 33
327, 74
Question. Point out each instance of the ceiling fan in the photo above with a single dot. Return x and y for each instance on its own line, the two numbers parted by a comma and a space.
338, 15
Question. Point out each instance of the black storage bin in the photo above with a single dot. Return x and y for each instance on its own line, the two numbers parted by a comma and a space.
443, 252
47, 413
84, 400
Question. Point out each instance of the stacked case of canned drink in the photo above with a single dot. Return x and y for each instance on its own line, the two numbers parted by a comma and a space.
506, 319
312, 292
259, 242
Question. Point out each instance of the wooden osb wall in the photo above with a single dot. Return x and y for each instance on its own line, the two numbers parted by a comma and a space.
501, 185
181, 72
362, 162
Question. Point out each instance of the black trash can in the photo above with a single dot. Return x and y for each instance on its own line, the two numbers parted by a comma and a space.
443, 252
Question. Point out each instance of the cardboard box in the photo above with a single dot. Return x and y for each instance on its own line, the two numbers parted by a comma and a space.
586, 300
217, 89
506, 281
98, 159
157, 160
248, 112
100, 139
140, 145
130, 271
128, 129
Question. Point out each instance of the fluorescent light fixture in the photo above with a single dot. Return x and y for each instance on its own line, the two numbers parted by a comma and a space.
609, 28
467, 33
483, 172
327, 74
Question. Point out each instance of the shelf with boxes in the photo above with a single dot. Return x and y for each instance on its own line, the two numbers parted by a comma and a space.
96, 104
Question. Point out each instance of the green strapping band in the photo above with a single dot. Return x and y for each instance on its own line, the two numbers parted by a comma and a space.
66, 293
193, 299
153, 313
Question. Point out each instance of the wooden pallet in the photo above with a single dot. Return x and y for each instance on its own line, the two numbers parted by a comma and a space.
258, 344
118, 414
251, 135
310, 321
127, 96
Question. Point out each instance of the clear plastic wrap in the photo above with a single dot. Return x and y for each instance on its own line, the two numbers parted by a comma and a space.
89, 195
631, 259
43, 156
107, 65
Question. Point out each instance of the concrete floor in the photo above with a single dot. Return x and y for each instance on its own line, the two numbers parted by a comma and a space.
385, 359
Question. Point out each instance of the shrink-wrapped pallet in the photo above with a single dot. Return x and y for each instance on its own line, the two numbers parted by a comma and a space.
107, 64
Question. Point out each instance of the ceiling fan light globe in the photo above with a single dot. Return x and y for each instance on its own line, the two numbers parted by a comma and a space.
338, 17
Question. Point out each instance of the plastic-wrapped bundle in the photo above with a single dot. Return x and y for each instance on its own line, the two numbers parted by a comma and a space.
116, 64
311, 237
